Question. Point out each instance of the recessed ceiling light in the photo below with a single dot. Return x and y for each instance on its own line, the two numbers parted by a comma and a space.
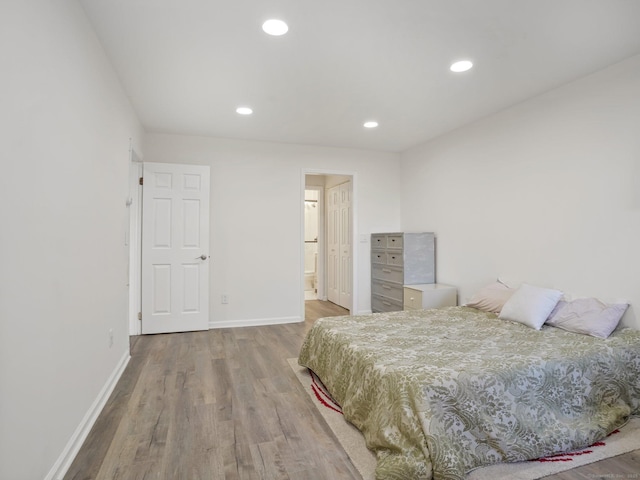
275, 27
244, 111
461, 66
370, 124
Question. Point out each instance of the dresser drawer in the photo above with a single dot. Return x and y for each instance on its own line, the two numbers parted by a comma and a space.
388, 290
378, 241
395, 241
431, 295
389, 274
412, 299
382, 304
394, 259
378, 258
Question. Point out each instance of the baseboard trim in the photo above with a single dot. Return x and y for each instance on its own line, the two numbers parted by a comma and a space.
60, 468
254, 322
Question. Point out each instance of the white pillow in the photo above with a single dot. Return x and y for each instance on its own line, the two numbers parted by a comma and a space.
589, 316
530, 305
491, 298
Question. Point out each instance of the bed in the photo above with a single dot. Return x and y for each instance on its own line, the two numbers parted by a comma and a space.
437, 393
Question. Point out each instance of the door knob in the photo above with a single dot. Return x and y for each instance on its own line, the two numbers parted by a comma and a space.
202, 257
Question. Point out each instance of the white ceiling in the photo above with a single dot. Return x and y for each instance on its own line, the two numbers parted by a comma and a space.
187, 64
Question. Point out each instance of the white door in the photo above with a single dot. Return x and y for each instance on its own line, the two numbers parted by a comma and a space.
339, 245
175, 248
346, 256
333, 245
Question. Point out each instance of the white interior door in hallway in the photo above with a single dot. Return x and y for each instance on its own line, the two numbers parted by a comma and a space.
175, 248
340, 245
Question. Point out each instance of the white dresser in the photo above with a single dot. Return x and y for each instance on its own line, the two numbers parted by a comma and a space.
399, 259
429, 295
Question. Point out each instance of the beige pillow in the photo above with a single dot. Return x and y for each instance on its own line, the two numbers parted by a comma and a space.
491, 298
588, 316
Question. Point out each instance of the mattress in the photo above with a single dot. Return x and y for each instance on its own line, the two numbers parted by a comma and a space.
437, 393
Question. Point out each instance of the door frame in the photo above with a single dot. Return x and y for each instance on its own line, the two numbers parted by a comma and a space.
354, 235
134, 238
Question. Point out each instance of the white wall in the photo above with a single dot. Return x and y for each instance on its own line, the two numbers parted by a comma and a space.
65, 126
256, 217
547, 191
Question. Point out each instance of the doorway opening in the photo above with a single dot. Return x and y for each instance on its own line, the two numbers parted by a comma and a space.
328, 253
313, 241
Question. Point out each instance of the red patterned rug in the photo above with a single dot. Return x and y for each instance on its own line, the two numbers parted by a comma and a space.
321, 393
618, 442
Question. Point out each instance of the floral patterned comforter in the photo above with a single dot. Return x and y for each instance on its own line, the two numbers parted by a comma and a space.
437, 393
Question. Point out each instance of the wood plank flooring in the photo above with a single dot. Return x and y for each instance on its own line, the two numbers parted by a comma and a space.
224, 404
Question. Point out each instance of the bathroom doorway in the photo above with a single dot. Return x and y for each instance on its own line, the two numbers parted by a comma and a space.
313, 227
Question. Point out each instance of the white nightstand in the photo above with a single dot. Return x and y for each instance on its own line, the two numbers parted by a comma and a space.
430, 295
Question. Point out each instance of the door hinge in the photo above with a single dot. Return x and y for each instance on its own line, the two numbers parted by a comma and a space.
139, 315
141, 181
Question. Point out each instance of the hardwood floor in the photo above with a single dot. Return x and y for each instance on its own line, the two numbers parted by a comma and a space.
224, 404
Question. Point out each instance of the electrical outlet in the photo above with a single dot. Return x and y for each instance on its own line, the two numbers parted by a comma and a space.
224, 299
110, 337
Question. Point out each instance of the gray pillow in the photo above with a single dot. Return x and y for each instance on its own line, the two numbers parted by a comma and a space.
588, 316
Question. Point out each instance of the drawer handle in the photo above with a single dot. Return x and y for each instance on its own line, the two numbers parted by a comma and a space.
393, 257
386, 270
386, 303
387, 287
